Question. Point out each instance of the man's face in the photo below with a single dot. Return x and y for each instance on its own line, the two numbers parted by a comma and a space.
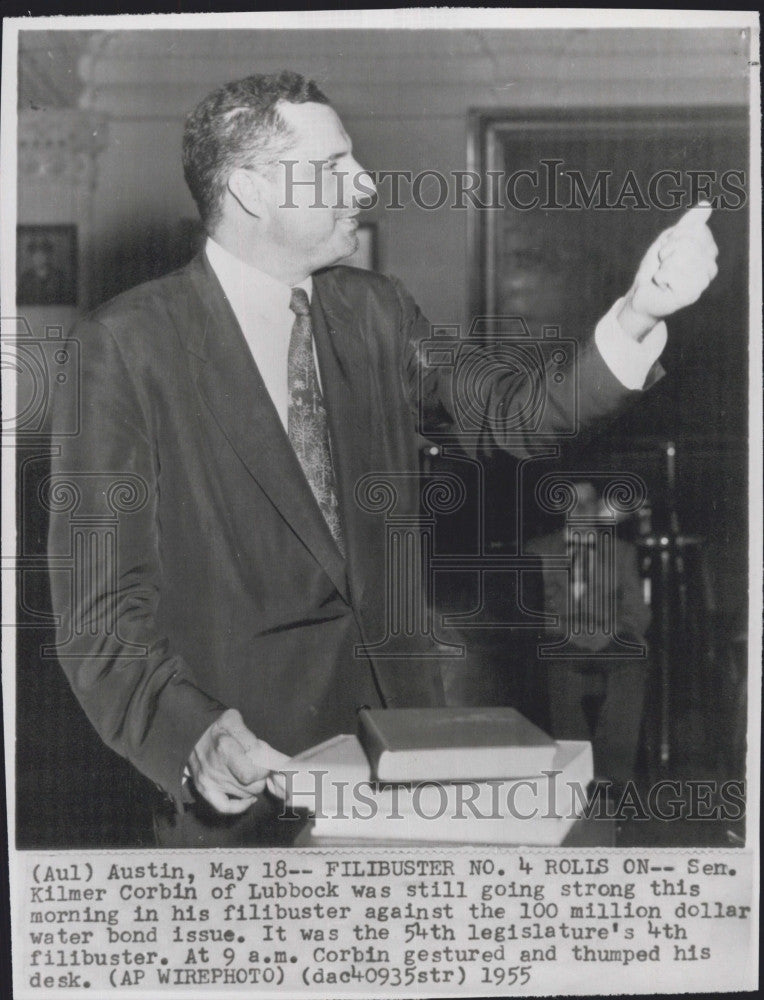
313, 196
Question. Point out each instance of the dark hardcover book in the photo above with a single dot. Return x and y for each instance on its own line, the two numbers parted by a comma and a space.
452, 744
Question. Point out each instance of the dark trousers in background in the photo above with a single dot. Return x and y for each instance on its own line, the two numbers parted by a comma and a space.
602, 701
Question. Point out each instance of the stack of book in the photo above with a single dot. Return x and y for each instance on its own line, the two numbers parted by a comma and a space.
442, 775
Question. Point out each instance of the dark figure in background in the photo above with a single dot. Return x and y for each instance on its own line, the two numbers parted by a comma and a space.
43, 283
598, 698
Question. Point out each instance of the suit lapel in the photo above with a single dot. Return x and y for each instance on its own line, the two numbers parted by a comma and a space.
232, 388
344, 363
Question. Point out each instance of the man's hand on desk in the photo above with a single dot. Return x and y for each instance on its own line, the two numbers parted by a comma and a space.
674, 273
230, 765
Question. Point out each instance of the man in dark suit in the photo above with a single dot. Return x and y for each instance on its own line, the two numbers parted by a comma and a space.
224, 627
597, 681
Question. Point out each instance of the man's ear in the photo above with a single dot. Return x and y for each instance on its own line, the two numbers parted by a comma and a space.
248, 188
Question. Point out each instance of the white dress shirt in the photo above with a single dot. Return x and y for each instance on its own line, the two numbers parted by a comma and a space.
628, 359
261, 306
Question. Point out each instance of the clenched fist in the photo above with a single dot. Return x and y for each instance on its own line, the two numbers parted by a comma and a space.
674, 273
229, 765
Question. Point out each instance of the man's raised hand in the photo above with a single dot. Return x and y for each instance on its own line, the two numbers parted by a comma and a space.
674, 273
229, 764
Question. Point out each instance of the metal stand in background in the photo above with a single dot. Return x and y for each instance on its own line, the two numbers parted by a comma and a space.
677, 588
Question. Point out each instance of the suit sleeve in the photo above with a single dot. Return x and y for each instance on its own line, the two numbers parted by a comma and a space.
137, 692
513, 407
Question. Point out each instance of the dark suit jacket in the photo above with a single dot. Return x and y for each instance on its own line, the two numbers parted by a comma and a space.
226, 588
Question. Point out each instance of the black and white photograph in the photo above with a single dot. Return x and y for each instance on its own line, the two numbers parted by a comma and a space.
382, 502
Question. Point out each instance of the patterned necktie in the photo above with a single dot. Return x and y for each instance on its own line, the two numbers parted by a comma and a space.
308, 427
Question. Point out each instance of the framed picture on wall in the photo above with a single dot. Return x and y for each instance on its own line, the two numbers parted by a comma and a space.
585, 186
46, 265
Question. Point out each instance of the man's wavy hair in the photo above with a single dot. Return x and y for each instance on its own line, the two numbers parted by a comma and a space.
239, 125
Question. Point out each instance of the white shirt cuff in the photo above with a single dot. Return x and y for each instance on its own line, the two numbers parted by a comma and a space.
628, 359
